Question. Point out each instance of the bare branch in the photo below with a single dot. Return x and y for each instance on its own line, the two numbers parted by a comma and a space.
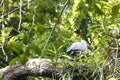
3, 61
20, 12
1, 2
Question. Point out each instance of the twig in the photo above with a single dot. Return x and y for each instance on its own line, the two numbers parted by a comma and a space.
1, 2
101, 73
16, 9
3, 61
53, 28
3, 35
20, 12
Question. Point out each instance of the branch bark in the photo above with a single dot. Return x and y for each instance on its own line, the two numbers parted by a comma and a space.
34, 67
46, 68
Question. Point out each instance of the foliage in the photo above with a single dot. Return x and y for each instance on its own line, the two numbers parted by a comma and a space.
25, 26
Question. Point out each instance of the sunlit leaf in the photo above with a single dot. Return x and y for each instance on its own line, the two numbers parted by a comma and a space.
97, 9
77, 2
96, 41
51, 51
23, 58
7, 30
13, 61
60, 48
16, 46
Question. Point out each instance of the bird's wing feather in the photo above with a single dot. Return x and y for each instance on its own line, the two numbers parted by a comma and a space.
75, 46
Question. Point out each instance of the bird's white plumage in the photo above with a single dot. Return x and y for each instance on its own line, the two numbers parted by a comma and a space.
81, 46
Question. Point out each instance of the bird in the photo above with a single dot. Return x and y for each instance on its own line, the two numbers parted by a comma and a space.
77, 48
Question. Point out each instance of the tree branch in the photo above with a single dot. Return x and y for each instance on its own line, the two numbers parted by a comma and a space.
1, 3
16, 9
3, 61
45, 68
34, 67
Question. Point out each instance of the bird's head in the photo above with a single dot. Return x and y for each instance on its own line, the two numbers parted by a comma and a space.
83, 42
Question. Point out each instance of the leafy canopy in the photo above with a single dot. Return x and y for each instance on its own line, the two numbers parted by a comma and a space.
26, 25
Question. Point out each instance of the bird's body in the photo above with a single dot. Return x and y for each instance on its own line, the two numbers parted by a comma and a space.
77, 48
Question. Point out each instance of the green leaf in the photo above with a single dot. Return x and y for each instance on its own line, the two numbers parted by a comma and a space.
97, 9
34, 48
60, 48
50, 50
16, 46
13, 61
105, 0
67, 57
75, 6
25, 39
89, 2
115, 10
24, 58
96, 41
7, 31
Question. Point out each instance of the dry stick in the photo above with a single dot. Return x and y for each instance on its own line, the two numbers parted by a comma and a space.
20, 12
1, 2
53, 29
